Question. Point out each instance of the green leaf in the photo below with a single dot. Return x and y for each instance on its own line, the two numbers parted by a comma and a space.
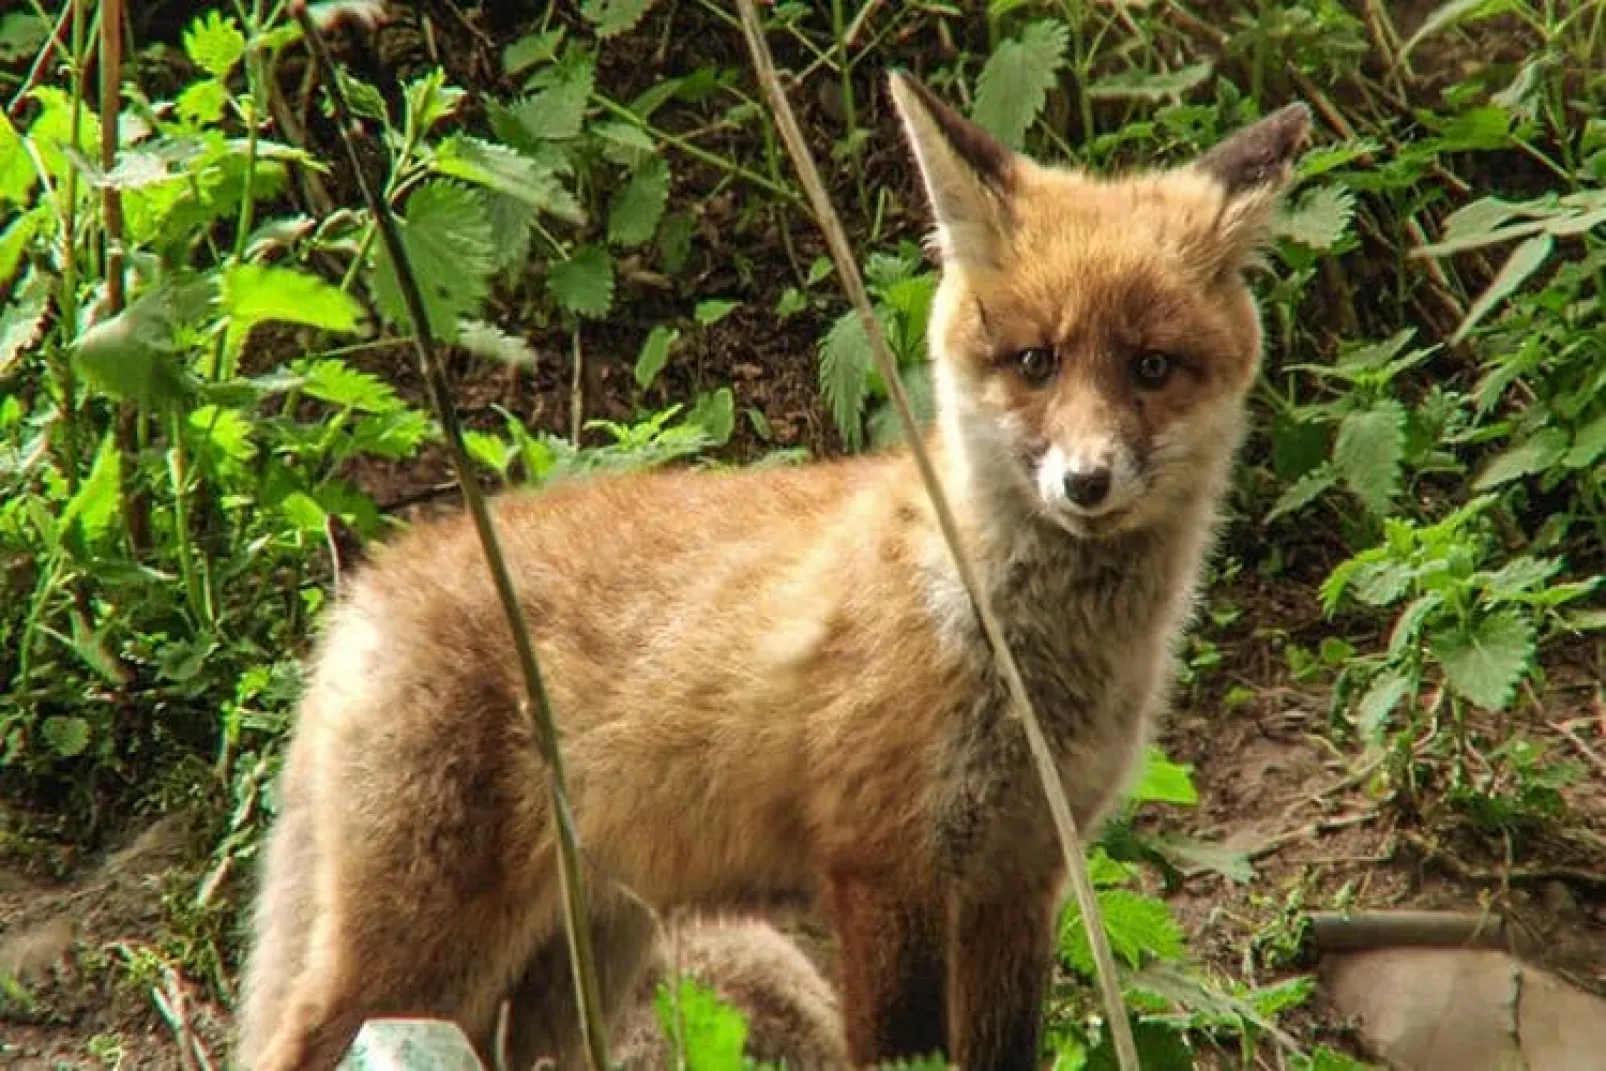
844, 361
1137, 926
1164, 781
708, 313
583, 284
223, 432
711, 1033
508, 172
487, 340
639, 204
1587, 447
332, 380
17, 176
1014, 84
1534, 454
1452, 13
214, 44
1526, 259
1373, 710
1142, 85
446, 234
430, 100
1303, 491
255, 293
1367, 453
614, 17
68, 737
1485, 663
95, 504
532, 49
654, 354
557, 112
22, 320
1320, 220
133, 355
492, 451
715, 413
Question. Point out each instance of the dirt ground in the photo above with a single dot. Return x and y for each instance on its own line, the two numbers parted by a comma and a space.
1271, 785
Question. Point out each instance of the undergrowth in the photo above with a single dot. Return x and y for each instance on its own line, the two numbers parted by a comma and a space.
194, 348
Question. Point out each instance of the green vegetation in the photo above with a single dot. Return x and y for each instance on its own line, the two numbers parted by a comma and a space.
205, 382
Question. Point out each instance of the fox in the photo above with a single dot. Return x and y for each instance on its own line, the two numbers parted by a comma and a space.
770, 684
791, 1012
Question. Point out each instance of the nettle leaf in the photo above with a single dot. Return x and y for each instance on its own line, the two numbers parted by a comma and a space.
1014, 84
710, 312
23, 318
214, 44
487, 340
430, 99
1373, 710
17, 176
1320, 220
133, 355
1451, 14
1484, 663
446, 233
1164, 781
1303, 491
1368, 451
332, 380
613, 17
508, 172
1588, 445
256, 293
702, 1024
1137, 926
1535, 454
639, 204
654, 354
844, 360
96, 501
1142, 85
715, 412
68, 737
1526, 259
583, 284
557, 112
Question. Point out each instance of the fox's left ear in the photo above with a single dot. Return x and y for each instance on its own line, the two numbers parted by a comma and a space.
1253, 167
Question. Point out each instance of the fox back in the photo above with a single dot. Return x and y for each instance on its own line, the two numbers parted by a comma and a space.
769, 684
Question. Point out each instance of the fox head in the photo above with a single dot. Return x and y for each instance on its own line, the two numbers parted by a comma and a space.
1093, 338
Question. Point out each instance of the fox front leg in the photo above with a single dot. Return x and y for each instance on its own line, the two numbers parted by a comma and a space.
893, 969
998, 972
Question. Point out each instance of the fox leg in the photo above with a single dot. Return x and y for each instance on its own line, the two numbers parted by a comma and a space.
891, 961
1003, 947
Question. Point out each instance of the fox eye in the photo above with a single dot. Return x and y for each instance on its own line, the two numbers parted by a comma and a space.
1152, 369
1037, 365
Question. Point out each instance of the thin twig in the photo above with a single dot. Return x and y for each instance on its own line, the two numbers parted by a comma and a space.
853, 284
575, 916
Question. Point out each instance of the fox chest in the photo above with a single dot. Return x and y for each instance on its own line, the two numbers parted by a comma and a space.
1093, 646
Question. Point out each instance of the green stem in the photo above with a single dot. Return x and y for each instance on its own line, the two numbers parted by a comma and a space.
696, 153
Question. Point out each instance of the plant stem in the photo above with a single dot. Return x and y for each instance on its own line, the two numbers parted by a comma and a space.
576, 917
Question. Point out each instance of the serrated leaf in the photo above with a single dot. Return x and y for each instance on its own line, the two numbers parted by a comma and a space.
613, 17
844, 360
1368, 451
1303, 491
332, 380
430, 100
508, 172
1142, 85
1014, 84
715, 413
22, 320
95, 504
1164, 781
639, 204
583, 284
492, 451
223, 432
1526, 259
557, 112
1373, 710
1484, 663
133, 355
711, 1033
1320, 220
446, 234
214, 44
1450, 14
17, 176
258, 293
654, 354
1137, 926
532, 49
487, 340
68, 737
708, 313
1535, 454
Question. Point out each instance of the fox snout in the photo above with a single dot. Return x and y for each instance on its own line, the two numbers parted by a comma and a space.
1088, 477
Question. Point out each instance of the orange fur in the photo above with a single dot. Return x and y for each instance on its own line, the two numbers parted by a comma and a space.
769, 683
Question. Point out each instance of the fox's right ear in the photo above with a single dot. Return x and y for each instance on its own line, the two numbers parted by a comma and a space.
968, 175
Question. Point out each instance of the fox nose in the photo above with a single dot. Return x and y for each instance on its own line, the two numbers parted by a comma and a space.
1087, 489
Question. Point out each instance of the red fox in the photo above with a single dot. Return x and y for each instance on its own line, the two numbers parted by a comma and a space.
770, 683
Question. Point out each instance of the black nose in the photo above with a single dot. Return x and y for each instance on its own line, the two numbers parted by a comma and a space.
1088, 489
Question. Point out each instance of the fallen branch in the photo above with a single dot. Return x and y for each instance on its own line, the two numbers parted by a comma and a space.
1363, 931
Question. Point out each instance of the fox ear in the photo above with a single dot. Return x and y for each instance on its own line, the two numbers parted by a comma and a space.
968, 175
1253, 167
